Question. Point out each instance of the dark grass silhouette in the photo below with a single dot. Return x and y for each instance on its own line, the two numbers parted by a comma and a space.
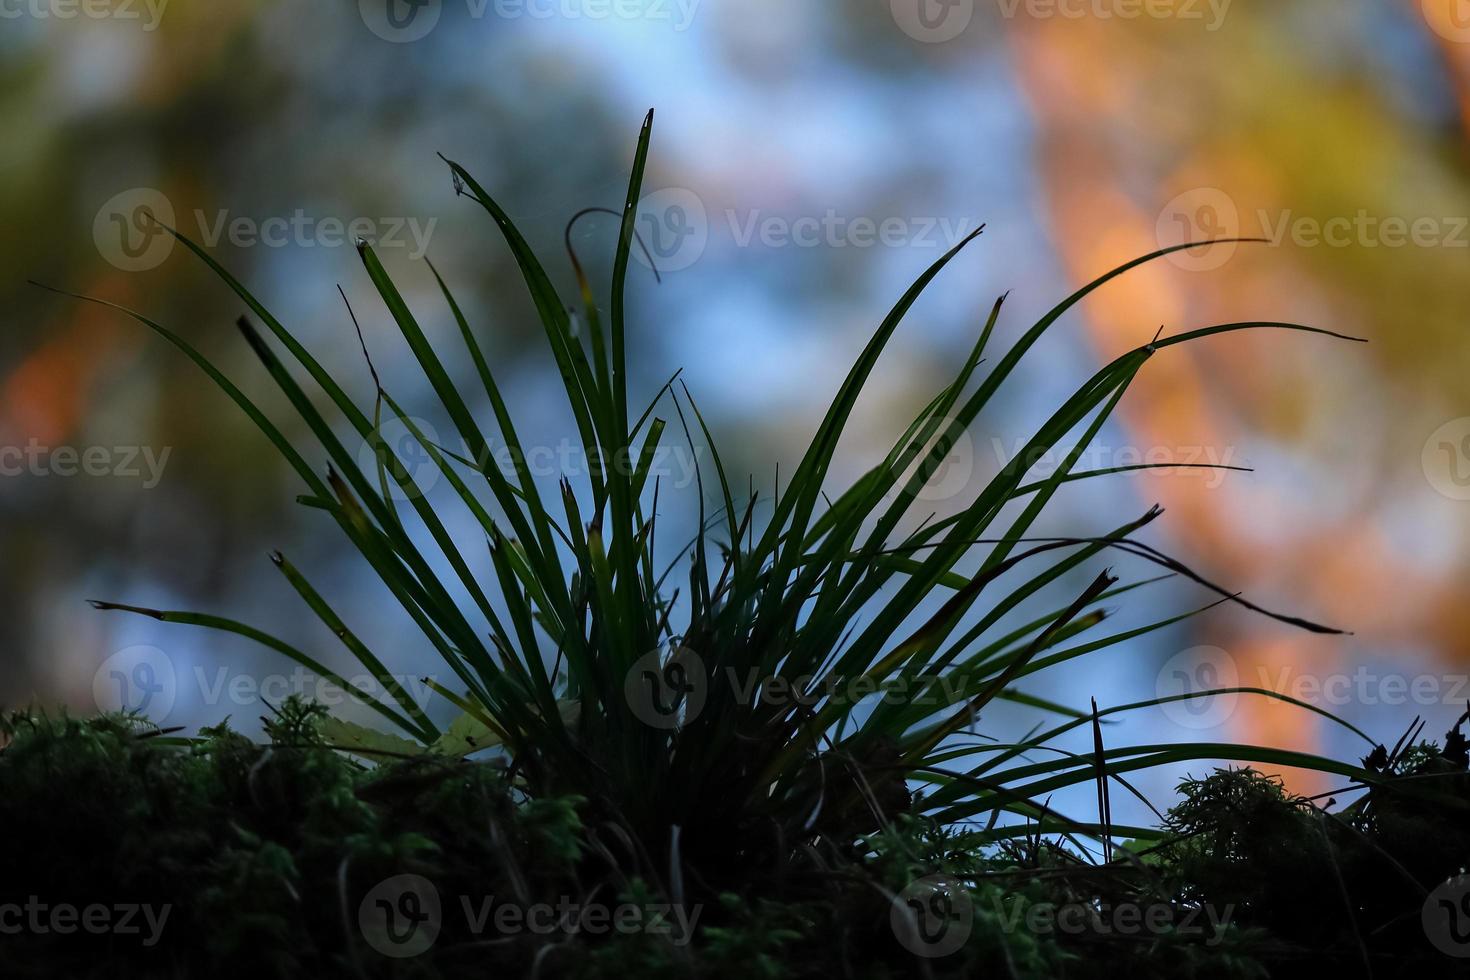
687, 709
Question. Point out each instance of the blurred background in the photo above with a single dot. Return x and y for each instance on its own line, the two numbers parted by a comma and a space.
809, 161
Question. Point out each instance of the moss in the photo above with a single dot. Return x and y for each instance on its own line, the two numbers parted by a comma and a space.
266, 858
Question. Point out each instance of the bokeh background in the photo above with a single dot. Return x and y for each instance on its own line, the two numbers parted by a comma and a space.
810, 160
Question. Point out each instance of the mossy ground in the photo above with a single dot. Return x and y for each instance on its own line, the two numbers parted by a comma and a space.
270, 859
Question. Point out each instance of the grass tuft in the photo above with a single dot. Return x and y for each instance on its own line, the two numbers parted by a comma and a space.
692, 708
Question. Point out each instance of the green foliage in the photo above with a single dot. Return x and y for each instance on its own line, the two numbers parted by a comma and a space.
264, 855
767, 771
796, 593
1353, 881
